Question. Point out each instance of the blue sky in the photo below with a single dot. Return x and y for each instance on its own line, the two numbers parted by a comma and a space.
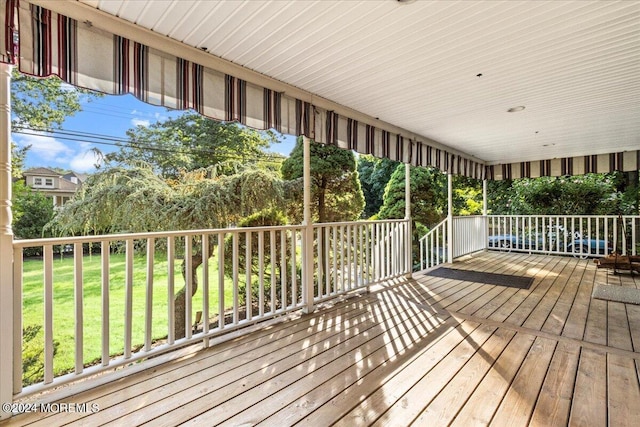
110, 116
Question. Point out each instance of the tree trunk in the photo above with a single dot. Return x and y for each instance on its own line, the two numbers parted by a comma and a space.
180, 300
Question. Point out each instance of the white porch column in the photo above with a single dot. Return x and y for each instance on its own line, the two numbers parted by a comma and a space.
449, 217
484, 197
484, 214
407, 216
6, 243
307, 239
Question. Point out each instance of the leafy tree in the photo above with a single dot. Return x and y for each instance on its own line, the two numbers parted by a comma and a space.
42, 104
467, 196
428, 195
374, 175
428, 200
135, 199
32, 211
335, 189
590, 194
191, 142
267, 217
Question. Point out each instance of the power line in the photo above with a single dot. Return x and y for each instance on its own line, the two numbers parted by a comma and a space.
114, 141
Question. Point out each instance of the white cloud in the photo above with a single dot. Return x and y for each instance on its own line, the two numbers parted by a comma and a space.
45, 147
83, 162
140, 122
47, 151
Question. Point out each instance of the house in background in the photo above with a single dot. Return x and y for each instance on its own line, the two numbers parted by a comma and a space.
60, 188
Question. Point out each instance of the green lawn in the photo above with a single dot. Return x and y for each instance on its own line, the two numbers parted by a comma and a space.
63, 304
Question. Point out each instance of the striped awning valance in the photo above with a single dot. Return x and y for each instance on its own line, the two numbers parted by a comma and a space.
600, 163
84, 56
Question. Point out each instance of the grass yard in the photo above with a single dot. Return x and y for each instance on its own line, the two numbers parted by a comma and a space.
64, 306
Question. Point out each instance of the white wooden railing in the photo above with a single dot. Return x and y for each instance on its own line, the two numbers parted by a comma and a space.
577, 235
259, 271
469, 234
434, 246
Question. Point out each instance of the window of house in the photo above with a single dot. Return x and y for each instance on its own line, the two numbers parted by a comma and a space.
37, 181
48, 182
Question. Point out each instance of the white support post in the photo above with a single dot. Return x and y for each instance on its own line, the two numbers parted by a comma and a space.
450, 217
6, 244
485, 217
307, 238
407, 217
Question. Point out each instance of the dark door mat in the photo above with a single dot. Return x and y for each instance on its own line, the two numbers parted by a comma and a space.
520, 282
616, 293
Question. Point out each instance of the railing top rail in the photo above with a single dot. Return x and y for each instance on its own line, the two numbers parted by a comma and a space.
440, 224
144, 235
23, 243
365, 221
565, 216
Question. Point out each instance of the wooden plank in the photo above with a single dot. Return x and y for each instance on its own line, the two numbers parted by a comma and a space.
536, 294
240, 351
451, 398
589, 405
344, 400
224, 379
348, 370
554, 402
557, 319
596, 327
618, 334
623, 391
577, 320
517, 406
231, 377
407, 393
255, 387
633, 316
540, 312
484, 401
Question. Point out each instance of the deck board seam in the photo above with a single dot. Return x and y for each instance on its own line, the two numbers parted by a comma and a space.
543, 334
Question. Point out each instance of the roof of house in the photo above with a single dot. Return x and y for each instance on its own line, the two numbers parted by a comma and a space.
41, 172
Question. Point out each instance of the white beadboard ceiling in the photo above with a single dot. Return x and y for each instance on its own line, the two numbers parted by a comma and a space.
445, 70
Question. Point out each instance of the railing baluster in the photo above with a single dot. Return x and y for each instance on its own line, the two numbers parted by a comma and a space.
78, 301
171, 317
349, 261
272, 242
294, 272
205, 288
148, 303
128, 298
188, 284
234, 263
221, 317
283, 270
321, 261
335, 260
327, 259
104, 257
260, 273
247, 265
48, 314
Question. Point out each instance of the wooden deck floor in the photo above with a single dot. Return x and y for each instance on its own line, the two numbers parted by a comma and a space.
424, 352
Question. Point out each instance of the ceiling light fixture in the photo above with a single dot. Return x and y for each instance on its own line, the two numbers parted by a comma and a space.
515, 109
